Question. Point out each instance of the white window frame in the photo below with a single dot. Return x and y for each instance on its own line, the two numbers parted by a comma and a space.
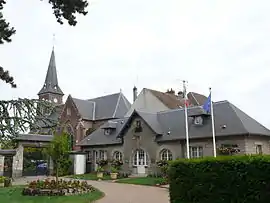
118, 155
261, 149
196, 152
166, 155
102, 155
136, 158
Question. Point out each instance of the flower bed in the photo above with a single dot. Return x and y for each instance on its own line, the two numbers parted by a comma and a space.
51, 188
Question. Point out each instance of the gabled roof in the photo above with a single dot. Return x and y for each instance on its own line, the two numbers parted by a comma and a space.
99, 138
170, 124
173, 101
51, 81
105, 107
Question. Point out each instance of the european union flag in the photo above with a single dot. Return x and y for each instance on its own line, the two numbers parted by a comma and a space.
207, 104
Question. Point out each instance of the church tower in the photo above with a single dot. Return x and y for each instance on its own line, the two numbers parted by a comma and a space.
51, 90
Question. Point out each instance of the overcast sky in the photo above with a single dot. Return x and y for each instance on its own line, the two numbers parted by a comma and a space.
147, 43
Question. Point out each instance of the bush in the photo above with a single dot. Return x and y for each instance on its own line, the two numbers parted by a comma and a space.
229, 179
52, 188
2, 179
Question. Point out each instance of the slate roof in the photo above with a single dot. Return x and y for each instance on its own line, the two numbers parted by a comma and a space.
51, 81
105, 107
173, 101
99, 138
170, 125
225, 114
34, 137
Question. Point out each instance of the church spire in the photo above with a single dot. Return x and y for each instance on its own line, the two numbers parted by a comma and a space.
51, 81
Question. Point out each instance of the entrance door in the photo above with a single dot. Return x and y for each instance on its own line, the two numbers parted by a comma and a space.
140, 160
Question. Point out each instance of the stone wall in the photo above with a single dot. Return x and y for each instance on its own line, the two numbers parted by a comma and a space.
2, 159
17, 166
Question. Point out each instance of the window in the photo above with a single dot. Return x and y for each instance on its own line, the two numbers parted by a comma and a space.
68, 111
102, 155
166, 155
107, 131
198, 120
118, 155
140, 158
88, 156
196, 152
138, 127
259, 149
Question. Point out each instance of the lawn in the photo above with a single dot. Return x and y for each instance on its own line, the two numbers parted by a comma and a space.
151, 181
13, 195
89, 176
93, 176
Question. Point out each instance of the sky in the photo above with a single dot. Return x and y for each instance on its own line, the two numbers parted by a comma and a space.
153, 44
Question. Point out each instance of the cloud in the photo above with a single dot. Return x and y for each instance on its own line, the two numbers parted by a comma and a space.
154, 44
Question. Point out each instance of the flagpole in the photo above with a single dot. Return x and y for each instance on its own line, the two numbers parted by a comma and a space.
213, 125
186, 119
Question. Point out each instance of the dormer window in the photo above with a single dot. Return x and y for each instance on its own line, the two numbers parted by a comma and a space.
138, 127
107, 131
198, 120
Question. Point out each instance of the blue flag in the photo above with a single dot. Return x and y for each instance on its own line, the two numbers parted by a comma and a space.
207, 104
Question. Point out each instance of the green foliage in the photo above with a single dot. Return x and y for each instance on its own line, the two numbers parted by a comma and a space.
114, 169
21, 115
117, 164
62, 9
2, 179
228, 179
65, 164
102, 162
58, 151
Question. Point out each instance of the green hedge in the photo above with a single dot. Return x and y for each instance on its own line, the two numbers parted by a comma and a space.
233, 179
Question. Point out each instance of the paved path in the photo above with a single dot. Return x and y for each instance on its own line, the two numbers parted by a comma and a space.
123, 193
127, 193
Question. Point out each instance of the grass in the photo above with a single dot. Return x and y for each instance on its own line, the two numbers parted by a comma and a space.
150, 181
89, 176
13, 195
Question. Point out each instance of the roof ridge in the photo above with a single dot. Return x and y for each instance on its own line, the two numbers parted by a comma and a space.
233, 108
125, 101
248, 116
117, 104
107, 95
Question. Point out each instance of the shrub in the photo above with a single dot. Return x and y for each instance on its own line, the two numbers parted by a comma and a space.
2, 178
52, 188
234, 179
116, 163
102, 162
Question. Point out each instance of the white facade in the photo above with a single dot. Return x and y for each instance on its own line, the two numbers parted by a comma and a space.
79, 164
146, 102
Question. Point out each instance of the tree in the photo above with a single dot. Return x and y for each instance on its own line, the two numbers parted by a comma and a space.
62, 9
58, 150
20, 115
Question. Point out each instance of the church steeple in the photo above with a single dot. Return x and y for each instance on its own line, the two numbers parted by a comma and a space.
51, 90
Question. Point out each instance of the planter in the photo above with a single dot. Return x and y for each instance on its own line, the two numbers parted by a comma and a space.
100, 174
114, 176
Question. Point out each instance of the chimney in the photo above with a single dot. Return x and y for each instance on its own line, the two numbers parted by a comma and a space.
180, 94
170, 91
135, 93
